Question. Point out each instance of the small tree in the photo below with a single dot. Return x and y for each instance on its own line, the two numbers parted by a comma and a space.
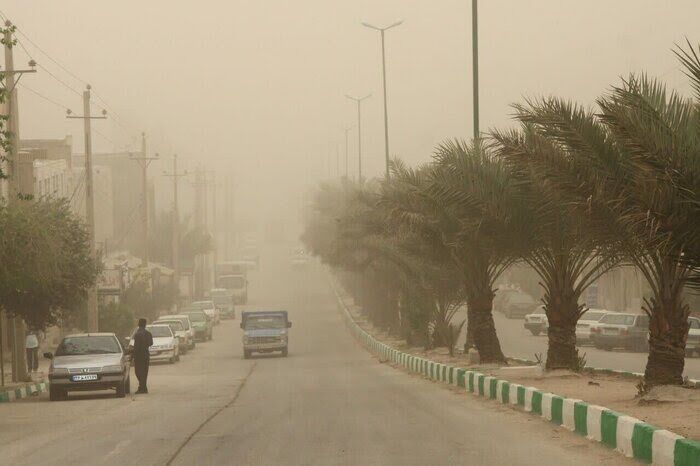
45, 261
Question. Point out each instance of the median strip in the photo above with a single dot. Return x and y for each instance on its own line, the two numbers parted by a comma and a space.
627, 435
24, 391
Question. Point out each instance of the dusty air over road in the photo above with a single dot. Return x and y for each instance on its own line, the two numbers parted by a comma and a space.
350, 233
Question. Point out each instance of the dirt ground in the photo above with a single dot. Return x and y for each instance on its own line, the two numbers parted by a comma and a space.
613, 392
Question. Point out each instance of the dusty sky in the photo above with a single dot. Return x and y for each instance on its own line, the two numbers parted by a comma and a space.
254, 88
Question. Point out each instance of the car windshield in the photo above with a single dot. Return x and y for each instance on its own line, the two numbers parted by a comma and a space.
262, 322
592, 315
520, 298
231, 282
197, 316
89, 344
618, 319
222, 300
694, 323
175, 325
160, 331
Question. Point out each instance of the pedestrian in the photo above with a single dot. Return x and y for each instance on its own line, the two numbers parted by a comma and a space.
143, 340
31, 345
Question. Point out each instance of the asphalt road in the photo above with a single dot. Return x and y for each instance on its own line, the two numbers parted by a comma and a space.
328, 403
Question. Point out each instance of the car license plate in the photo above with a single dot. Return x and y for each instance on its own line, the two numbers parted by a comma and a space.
84, 377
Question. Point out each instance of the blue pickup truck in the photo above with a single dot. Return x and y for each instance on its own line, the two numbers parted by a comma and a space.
265, 332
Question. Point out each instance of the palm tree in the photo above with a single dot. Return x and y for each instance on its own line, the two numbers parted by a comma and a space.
552, 239
628, 172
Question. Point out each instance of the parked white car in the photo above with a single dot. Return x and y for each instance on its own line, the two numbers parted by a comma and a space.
209, 309
692, 345
179, 331
165, 344
589, 319
185, 323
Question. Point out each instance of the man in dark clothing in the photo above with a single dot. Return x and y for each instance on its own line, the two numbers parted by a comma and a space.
142, 341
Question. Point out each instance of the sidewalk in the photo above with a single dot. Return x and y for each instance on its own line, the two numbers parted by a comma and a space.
12, 391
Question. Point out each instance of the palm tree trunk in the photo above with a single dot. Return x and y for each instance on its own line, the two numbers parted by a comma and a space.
668, 330
561, 305
482, 328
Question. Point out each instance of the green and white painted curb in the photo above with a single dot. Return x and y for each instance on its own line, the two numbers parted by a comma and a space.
22, 392
627, 435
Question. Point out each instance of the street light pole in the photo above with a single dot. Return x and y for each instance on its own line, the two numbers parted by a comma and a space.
386, 116
347, 130
359, 133
92, 312
475, 66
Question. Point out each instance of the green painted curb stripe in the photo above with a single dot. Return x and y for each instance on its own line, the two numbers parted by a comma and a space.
493, 384
481, 385
444, 373
642, 435
686, 452
557, 410
521, 396
505, 392
451, 375
608, 428
537, 402
460, 377
471, 382
581, 418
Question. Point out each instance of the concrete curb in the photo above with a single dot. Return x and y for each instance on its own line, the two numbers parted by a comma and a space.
24, 391
627, 435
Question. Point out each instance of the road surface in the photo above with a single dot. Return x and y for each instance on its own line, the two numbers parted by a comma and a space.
328, 403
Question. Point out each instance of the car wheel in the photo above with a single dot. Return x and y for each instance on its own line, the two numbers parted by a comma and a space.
285, 352
177, 358
246, 354
121, 389
56, 394
535, 332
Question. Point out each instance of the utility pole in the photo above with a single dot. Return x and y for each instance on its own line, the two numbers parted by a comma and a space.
359, 133
475, 67
92, 307
144, 161
386, 117
347, 130
17, 326
213, 218
176, 222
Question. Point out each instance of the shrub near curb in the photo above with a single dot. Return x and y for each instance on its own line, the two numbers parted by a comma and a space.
628, 435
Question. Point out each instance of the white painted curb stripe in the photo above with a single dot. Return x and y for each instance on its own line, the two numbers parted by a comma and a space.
662, 447
625, 428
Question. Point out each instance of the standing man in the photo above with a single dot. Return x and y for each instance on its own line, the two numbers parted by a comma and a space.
142, 341
31, 345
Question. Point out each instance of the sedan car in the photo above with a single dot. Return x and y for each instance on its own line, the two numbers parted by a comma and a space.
179, 331
692, 346
186, 323
209, 307
630, 331
165, 344
518, 305
86, 362
588, 320
537, 322
202, 325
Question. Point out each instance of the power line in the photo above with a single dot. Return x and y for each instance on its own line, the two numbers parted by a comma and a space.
39, 94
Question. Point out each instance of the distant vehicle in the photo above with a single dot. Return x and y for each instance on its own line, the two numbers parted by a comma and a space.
165, 344
265, 332
86, 362
300, 258
186, 323
201, 323
251, 255
537, 321
692, 345
518, 305
182, 334
237, 284
586, 322
231, 268
224, 301
502, 294
209, 307
615, 330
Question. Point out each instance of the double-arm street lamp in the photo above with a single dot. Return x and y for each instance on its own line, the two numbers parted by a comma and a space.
386, 117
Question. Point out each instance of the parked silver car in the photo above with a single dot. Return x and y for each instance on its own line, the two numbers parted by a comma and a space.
86, 362
588, 320
186, 323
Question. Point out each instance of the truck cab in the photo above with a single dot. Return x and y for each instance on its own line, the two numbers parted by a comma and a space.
265, 332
